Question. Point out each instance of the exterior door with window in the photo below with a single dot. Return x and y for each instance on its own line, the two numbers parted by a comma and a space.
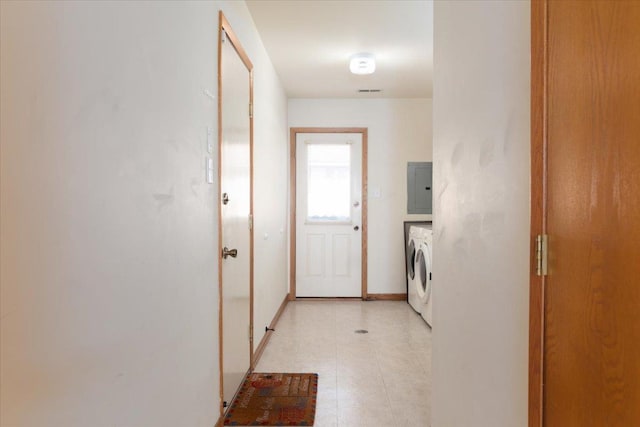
329, 215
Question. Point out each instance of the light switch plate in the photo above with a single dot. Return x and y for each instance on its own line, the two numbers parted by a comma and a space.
209, 170
209, 139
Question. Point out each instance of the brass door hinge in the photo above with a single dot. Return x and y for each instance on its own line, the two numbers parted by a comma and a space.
541, 254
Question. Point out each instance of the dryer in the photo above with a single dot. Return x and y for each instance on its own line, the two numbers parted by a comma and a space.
415, 291
423, 273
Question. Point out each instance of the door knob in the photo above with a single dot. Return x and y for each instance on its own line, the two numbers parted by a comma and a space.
356, 228
226, 252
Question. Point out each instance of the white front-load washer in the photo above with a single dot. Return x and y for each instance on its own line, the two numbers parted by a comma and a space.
417, 236
423, 274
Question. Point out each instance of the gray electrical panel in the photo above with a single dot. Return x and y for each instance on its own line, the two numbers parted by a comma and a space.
419, 187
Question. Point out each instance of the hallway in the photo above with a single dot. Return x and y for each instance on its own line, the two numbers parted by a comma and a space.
381, 378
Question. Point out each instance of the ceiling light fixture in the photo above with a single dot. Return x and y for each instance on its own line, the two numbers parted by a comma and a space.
362, 63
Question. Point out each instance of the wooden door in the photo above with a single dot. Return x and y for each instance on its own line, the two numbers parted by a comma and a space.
236, 236
329, 215
585, 334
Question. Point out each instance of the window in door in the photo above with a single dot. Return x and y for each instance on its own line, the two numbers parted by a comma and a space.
329, 183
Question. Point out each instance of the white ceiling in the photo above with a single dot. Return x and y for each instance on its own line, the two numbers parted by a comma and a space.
310, 43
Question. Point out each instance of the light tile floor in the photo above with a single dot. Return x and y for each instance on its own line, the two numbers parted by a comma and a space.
378, 379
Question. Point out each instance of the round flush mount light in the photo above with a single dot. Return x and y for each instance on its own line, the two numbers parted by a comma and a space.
362, 63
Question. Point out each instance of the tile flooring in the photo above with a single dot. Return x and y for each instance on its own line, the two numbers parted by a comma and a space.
378, 379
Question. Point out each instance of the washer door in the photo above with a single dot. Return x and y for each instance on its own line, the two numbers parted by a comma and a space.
423, 268
411, 254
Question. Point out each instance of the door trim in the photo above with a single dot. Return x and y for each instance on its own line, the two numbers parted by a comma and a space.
293, 132
225, 27
538, 205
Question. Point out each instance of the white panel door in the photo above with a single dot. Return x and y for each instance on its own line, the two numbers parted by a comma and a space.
328, 215
235, 187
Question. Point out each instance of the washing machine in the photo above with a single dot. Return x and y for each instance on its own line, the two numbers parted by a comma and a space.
423, 274
415, 293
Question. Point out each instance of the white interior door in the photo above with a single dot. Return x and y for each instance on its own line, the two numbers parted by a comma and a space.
329, 215
235, 189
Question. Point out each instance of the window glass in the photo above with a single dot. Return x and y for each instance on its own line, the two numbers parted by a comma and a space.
329, 182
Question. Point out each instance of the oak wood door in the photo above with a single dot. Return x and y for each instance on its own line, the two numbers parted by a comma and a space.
590, 96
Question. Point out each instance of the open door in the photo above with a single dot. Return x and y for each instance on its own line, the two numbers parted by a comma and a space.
235, 210
585, 318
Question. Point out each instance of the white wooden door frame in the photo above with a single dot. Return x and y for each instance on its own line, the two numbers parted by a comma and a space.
292, 213
225, 27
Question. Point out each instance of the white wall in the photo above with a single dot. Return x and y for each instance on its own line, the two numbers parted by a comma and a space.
399, 131
108, 253
481, 220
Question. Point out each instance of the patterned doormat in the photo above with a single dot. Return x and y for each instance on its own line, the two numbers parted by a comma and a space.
274, 400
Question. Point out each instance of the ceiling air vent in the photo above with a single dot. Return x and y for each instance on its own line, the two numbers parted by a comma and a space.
369, 90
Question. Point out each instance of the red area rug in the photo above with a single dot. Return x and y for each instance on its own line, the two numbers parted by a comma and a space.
274, 400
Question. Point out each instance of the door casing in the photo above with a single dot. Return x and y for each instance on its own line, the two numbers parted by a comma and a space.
292, 204
538, 205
